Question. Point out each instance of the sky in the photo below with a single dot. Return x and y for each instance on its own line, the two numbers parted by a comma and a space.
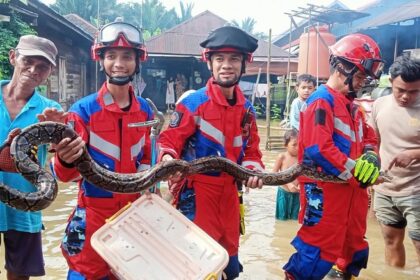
268, 14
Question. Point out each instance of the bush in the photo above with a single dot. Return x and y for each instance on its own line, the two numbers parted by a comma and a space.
10, 33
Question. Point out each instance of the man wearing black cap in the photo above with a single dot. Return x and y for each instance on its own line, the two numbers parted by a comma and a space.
216, 120
21, 105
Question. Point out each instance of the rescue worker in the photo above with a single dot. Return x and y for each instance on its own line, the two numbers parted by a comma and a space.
216, 120
101, 119
334, 137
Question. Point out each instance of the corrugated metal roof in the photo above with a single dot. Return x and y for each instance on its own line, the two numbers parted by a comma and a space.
82, 23
184, 39
401, 13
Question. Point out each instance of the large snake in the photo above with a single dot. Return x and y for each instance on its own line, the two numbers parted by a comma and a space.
51, 132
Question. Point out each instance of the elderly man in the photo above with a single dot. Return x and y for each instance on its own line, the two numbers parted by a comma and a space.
21, 105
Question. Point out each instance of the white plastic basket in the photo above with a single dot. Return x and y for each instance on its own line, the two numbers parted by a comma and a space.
149, 239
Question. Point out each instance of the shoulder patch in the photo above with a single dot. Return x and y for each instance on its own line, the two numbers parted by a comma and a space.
320, 115
175, 119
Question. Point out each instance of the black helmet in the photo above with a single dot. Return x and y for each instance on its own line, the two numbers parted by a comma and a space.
229, 39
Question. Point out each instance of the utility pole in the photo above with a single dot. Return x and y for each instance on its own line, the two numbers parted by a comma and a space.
97, 63
268, 105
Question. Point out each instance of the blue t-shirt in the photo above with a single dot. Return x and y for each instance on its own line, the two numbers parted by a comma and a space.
10, 218
295, 110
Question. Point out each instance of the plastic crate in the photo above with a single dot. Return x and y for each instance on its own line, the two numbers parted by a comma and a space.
149, 239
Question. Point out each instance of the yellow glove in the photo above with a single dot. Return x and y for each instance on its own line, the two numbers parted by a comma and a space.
367, 168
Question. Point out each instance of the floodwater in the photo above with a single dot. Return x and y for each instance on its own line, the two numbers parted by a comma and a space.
264, 248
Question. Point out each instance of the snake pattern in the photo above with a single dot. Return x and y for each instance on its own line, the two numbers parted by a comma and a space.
47, 187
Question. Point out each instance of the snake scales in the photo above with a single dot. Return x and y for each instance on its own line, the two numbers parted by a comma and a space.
51, 132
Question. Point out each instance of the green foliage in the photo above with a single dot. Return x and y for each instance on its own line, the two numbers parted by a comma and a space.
88, 9
186, 11
248, 25
152, 17
10, 33
258, 110
275, 112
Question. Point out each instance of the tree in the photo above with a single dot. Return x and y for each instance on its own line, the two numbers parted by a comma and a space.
10, 32
88, 9
150, 15
156, 17
186, 11
248, 25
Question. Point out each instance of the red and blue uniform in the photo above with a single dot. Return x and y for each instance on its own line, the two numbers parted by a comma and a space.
115, 146
204, 124
332, 135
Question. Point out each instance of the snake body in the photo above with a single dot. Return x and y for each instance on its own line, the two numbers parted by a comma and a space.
51, 132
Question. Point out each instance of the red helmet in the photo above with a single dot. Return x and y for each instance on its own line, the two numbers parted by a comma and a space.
119, 35
360, 50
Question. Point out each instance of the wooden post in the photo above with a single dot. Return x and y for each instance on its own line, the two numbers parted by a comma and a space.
268, 105
254, 92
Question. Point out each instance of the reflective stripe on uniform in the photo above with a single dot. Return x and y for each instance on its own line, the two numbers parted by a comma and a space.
143, 167
350, 164
104, 146
360, 132
209, 129
237, 141
136, 148
344, 128
108, 100
346, 174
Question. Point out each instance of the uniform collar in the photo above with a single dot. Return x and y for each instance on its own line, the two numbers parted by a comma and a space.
216, 94
107, 100
338, 94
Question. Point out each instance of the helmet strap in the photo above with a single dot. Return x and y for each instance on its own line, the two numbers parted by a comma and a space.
121, 81
335, 62
349, 80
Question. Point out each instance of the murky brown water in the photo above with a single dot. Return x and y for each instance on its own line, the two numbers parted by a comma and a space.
264, 248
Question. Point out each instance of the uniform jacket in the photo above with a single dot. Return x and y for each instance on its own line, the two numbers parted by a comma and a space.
109, 140
342, 134
204, 124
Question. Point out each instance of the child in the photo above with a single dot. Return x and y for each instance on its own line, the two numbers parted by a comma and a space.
305, 85
288, 195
